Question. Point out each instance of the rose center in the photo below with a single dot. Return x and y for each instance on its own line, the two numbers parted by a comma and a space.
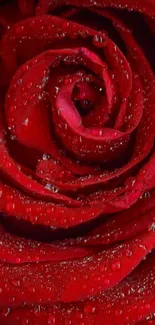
86, 95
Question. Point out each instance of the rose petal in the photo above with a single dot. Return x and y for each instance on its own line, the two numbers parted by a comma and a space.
16, 250
74, 285
127, 303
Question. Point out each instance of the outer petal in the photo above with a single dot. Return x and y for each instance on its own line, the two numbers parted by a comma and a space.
147, 7
126, 304
79, 279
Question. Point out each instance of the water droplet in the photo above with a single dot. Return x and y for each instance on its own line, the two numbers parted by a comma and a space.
118, 312
51, 319
106, 281
116, 265
128, 253
89, 309
51, 187
152, 227
146, 195
10, 206
46, 157
18, 259
130, 182
29, 84
147, 306
5, 312
25, 321
37, 310
31, 289
16, 282
26, 121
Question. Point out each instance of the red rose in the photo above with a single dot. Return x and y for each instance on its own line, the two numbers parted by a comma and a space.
77, 162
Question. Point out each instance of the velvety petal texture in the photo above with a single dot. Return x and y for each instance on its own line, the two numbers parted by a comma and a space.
77, 162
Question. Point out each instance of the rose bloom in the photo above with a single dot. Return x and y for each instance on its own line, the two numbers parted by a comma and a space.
77, 162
